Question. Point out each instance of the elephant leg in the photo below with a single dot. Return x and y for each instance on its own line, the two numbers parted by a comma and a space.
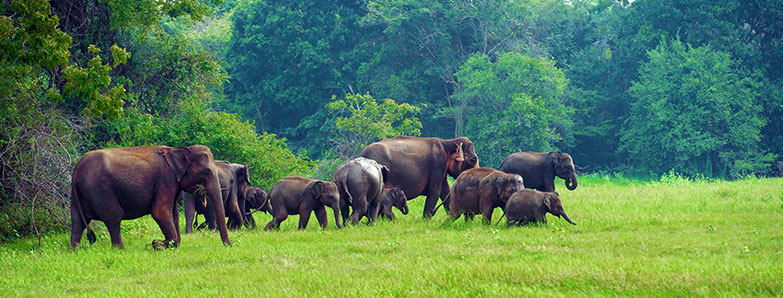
344, 210
77, 226
469, 217
320, 215
444, 193
486, 214
359, 208
175, 218
434, 186
251, 221
111, 215
162, 214
304, 217
276, 220
374, 209
232, 210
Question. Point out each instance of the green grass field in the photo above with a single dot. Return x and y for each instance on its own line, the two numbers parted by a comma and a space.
678, 238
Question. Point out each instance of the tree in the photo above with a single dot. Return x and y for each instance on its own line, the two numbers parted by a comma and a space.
523, 95
361, 119
696, 111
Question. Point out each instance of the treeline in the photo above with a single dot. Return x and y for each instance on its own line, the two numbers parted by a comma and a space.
291, 87
641, 87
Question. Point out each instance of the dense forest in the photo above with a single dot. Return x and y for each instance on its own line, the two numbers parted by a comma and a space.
294, 87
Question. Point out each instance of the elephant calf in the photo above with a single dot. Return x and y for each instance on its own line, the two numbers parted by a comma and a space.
481, 190
255, 198
392, 197
531, 206
299, 195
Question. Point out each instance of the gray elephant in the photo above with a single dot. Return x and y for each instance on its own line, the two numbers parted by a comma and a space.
360, 182
300, 195
530, 205
392, 197
539, 169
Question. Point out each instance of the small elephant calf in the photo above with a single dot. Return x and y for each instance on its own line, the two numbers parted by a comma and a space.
300, 195
255, 198
530, 205
393, 197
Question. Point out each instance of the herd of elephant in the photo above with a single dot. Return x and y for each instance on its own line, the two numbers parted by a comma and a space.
112, 185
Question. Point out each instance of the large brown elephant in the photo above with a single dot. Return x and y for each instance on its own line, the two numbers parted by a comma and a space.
539, 169
481, 190
234, 179
529, 205
360, 182
299, 195
419, 166
111, 185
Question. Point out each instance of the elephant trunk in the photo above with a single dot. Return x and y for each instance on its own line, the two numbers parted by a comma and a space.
571, 183
568, 219
216, 203
336, 208
404, 210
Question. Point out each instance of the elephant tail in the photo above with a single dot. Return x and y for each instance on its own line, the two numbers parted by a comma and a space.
345, 187
77, 202
448, 196
501, 218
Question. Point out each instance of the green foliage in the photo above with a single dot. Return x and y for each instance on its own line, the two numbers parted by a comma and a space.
361, 119
229, 138
148, 13
696, 111
36, 143
287, 58
522, 94
91, 84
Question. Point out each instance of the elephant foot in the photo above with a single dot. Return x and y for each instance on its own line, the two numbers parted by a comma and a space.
161, 244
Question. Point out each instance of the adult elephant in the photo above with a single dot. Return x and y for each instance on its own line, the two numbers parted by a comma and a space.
418, 166
539, 169
111, 185
233, 178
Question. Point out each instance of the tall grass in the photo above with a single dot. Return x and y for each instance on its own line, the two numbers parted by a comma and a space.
679, 237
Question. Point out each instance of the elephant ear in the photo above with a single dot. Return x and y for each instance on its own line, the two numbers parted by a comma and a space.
178, 159
384, 173
459, 154
548, 202
316, 189
246, 170
555, 157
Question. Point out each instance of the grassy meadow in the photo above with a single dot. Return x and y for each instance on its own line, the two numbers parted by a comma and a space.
675, 237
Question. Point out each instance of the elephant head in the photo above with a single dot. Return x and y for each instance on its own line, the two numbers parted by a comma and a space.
564, 168
194, 166
555, 207
507, 185
396, 196
461, 156
257, 199
326, 192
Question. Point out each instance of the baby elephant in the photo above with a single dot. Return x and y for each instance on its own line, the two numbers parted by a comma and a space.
392, 197
299, 195
255, 198
481, 190
531, 206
